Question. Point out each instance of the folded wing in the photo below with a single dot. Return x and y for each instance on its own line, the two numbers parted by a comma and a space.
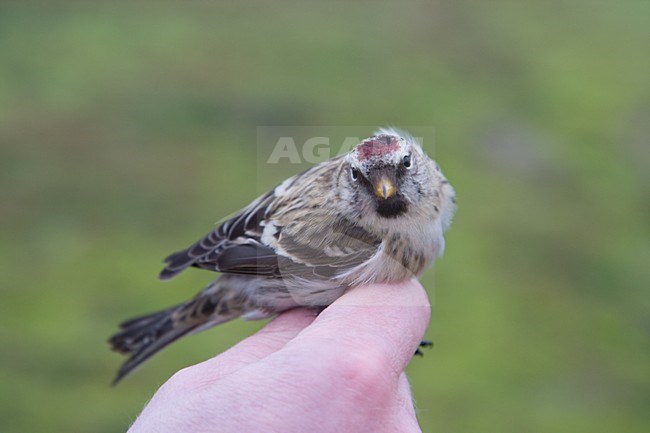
262, 241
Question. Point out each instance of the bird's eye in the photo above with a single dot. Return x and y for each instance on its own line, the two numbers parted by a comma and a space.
354, 173
407, 161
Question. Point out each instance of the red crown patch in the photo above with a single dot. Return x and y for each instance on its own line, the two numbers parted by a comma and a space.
377, 146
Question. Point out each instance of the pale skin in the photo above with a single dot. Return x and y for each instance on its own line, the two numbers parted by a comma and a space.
342, 370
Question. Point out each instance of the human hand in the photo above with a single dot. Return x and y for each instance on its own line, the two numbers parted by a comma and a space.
340, 371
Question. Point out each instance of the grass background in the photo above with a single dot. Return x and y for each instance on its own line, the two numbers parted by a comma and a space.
127, 129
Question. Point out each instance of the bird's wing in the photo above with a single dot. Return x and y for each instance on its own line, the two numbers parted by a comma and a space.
241, 230
278, 235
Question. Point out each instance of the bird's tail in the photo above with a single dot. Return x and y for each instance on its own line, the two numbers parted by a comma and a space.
142, 337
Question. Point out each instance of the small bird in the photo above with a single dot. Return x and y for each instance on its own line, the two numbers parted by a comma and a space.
374, 215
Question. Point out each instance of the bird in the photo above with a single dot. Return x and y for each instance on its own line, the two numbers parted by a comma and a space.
376, 214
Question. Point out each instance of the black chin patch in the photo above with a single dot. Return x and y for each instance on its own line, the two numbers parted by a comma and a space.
392, 207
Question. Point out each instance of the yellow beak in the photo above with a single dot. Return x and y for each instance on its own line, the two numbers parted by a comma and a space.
385, 188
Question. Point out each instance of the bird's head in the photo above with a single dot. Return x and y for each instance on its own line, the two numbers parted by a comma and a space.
388, 174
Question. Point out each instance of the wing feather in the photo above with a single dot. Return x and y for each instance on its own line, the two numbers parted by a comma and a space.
306, 241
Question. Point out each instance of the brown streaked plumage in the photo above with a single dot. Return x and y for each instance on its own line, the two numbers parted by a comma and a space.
376, 214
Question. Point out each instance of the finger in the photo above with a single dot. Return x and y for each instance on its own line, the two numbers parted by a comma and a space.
408, 414
384, 322
404, 397
267, 340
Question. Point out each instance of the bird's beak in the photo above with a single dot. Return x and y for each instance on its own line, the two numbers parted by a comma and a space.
384, 187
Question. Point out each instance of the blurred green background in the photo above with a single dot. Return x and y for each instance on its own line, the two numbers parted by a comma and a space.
127, 130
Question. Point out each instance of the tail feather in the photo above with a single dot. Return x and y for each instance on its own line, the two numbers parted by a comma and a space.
144, 336
148, 318
148, 348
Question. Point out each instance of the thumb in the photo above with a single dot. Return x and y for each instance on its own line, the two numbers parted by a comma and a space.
387, 320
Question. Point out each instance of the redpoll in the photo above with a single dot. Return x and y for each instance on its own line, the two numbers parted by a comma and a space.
375, 214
